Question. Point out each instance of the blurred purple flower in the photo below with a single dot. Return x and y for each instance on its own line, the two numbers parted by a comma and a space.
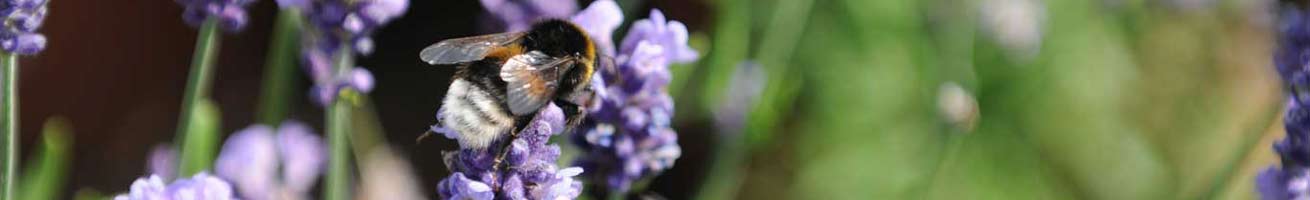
1292, 180
530, 171
518, 15
253, 159
599, 20
333, 24
21, 19
231, 14
628, 135
163, 161
202, 186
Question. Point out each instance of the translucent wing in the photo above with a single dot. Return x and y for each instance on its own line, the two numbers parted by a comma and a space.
467, 49
531, 80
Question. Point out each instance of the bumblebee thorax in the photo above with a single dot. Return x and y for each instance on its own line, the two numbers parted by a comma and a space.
559, 38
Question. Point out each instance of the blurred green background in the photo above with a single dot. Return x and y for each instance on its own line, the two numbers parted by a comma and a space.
1075, 99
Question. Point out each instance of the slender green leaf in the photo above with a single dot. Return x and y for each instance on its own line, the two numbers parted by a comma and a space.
45, 178
201, 144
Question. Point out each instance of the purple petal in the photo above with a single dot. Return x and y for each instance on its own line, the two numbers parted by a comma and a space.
457, 186
249, 159
554, 8
163, 161
680, 51
302, 153
25, 44
353, 24
599, 20
364, 45
361, 79
233, 18
202, 186
297, 4
381, 11
553, 116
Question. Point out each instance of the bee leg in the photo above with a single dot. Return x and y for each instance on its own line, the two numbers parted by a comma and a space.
504, 152
425, 135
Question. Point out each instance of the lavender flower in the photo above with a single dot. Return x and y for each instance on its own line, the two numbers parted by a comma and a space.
202, 186
163, 162
628, 136
530, 171
231, 14
518, 15
21, 19
1292, 181
599, 20
332, 25
264, 164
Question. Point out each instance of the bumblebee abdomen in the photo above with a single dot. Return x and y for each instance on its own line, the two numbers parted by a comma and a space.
475, 114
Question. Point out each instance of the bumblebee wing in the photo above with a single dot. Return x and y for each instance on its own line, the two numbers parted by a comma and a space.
467, 49
531, 80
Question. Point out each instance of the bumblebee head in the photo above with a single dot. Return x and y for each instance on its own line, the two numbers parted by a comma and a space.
561, 39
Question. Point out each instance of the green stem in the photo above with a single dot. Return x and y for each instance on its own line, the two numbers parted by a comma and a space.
338, 128
9, 63
279, 67
200, 78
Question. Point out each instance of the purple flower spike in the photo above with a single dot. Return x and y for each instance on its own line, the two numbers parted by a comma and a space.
334, 24
202, 186
528, 172
1292, 179
627, 136
231, 14
21, 20
253, 159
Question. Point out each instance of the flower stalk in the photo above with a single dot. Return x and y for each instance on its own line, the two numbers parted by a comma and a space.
338, 127
9, 63
199, 81
278, 68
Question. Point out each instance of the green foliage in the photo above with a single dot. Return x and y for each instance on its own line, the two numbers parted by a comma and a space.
1128, 100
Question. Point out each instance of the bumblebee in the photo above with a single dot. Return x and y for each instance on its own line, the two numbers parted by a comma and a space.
502, 80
